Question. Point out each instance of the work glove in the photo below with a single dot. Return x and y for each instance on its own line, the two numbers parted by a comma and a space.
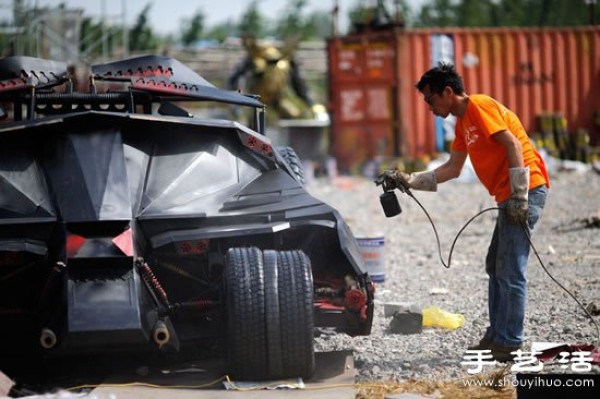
424, 181
517, 208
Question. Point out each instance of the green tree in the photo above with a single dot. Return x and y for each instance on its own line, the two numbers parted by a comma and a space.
91, 36
193, 28
381, 12
402, 12
221, 31
471, 13
252, 22
6, 40
558, 12
321, 25
509, 13
141, 36
506, 13
292, 22
437, 13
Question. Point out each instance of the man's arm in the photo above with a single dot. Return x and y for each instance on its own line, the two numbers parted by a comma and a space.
512, 145
517, 208
451, 168
427, 180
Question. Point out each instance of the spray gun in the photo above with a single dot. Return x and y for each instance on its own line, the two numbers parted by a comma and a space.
389, 201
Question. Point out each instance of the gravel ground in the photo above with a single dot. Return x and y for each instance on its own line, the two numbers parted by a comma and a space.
414, 273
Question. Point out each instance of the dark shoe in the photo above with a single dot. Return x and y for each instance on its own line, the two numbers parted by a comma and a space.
484, 344
503, 354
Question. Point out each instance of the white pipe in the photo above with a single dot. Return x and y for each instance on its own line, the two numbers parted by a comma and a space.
48, 339
161, 333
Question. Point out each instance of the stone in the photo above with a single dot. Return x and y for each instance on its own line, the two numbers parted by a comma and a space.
390, 308
407, 323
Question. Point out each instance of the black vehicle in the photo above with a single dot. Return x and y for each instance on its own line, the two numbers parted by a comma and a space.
126, 224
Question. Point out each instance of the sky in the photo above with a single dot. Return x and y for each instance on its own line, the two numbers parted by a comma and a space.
166, 15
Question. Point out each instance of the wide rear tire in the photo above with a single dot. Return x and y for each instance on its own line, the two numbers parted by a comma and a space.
274, 344
296, 303
247, 332
270, 314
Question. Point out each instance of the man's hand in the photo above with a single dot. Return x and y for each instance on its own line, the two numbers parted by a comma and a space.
517, 208
424, 181
389, 180
517, 211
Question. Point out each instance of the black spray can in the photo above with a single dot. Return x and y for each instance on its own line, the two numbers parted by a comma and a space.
390, 204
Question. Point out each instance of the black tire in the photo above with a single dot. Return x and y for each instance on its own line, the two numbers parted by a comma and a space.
270, 314
294, 163
247, 335
296, 314
274, 345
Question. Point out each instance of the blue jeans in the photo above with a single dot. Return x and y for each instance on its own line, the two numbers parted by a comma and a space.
506, 265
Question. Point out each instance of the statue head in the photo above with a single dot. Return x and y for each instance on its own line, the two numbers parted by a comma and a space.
267, 55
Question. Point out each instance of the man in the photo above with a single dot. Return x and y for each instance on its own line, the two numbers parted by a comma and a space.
509, 166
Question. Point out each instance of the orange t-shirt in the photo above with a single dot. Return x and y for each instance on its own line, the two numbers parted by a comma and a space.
473, 133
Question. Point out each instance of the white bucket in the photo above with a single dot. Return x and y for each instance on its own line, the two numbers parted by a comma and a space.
372, 253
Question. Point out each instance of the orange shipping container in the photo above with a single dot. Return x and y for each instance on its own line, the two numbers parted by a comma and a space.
377, 112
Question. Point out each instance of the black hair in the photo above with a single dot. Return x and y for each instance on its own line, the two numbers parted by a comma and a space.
439, 77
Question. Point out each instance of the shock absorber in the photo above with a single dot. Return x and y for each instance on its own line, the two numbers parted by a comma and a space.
53, 280
153, 284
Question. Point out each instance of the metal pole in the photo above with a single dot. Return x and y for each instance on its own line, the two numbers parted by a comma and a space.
104, 42
30, 33
125, 30
591, 11
18, 23
335, 15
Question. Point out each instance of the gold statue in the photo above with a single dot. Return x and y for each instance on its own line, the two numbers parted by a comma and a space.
273, 74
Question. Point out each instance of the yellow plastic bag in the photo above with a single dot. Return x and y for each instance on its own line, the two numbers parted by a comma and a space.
436, 317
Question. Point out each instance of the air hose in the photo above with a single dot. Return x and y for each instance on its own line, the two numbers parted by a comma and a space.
447, 265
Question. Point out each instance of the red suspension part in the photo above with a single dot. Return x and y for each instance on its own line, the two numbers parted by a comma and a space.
201, 304
355, 299
152, 281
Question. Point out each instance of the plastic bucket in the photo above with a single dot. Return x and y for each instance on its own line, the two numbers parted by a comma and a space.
372, 253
